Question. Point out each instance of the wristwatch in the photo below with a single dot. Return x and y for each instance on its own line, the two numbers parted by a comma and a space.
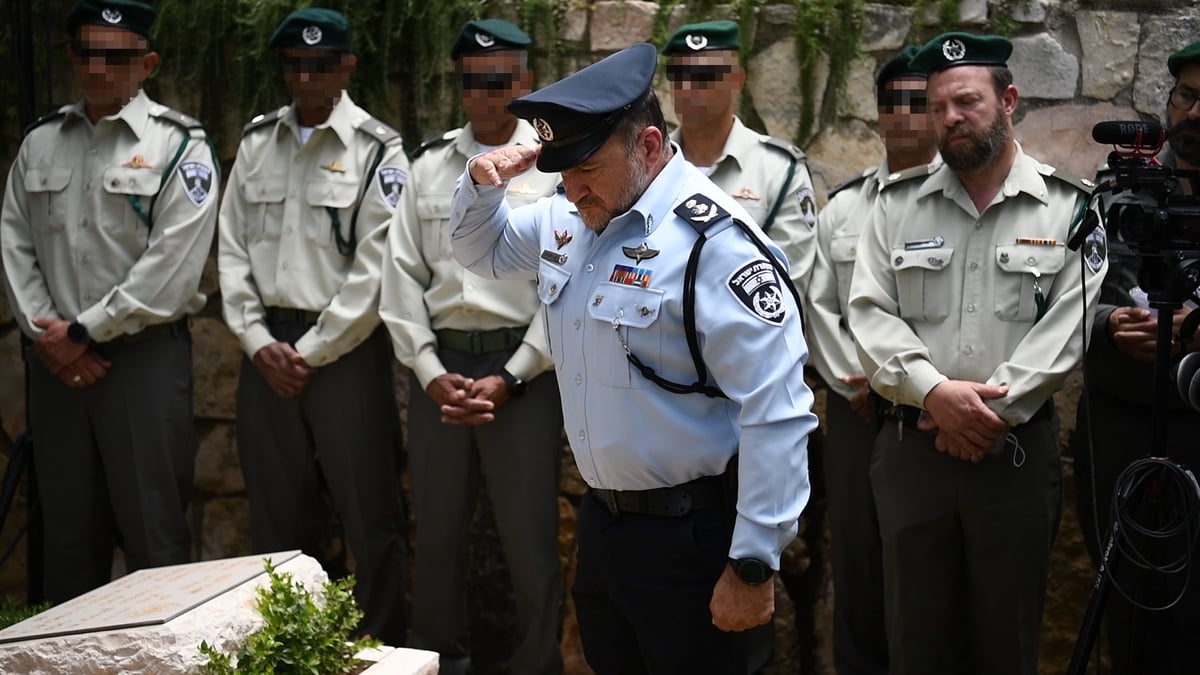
516, 386
751, 571
78, 333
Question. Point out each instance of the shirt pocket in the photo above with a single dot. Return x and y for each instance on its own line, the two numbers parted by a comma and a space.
125, 187
433, 209
842, 252
627, 316
46, 187
922, 283
264, 197
327, 198
1026, 273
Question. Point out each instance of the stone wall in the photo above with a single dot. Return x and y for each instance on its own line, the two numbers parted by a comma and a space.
1076, 62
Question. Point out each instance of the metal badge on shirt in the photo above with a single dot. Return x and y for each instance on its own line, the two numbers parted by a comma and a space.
923, 244
391, 180
757, 287
197, 179
808, 205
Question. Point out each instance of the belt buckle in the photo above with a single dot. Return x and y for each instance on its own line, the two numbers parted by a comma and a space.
607, 499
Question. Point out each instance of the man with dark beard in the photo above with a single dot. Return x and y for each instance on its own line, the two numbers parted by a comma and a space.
1110, 429
966, 310
694, 488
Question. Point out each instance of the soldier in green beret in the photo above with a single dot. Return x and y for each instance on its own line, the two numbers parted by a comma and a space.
965, 306
484, 402
107, 221
767, 176
301, 243
1110, 430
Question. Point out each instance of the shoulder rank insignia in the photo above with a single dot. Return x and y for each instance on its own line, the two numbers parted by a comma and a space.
700, 211
263, 120
391, 180
757, 288
642, 252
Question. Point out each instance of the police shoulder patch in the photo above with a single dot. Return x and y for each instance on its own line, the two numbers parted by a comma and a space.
700, 212
808, 205
756, 286
391, 179
1095, 249
197, 180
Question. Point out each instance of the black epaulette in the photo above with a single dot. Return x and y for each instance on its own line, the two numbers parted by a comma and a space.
263, 120
379, 131
897, 177
436, 142
857, 180
792, 151
560, 188
47, 118
177, 118
1081, 184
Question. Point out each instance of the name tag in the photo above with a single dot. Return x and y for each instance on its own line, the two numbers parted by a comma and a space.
556, 258
922, 244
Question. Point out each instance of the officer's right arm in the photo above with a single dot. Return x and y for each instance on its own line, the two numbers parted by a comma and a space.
240, 301
488, 237
24, 283
832, 348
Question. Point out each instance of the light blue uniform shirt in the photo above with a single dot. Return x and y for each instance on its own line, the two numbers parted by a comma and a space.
625, 286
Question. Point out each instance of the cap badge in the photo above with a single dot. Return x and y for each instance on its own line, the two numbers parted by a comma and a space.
954, 50
111, 15
543, 129
484, 40
696, 42
311, 35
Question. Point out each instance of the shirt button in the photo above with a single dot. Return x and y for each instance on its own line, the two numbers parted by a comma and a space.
84, 260
85, 222
285, 265
578, 379
582, 435
971, 307
974, 266
287, 230
967, 350
577, 324
1031, 261
590, 267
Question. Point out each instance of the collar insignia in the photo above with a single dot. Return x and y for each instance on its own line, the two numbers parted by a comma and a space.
642, 252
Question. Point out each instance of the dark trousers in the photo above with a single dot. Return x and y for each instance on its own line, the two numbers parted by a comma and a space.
859, 634
117, 456
966, 550
342, 425
1141, 641
518, 456
642, 590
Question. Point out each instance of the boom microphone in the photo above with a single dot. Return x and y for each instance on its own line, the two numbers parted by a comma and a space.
1132, 134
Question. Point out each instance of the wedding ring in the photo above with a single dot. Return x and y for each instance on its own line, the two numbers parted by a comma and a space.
77, 379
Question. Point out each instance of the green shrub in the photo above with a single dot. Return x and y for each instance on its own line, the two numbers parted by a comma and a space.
13, 612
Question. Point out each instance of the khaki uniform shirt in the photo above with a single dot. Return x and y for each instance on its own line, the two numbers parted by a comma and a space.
752, 170
74, 246
941, 291
277, 244
424, 287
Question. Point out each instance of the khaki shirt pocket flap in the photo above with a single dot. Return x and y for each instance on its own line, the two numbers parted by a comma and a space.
843, 249
265, 190
626, 305
123, 180
551, 281
1031, 258
339, 195
47, 179
929, 259
433, 205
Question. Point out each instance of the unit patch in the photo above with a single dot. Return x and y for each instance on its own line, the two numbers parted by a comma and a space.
1095, 249
391, 180
808, 205
756, 286
197, 179
630, 276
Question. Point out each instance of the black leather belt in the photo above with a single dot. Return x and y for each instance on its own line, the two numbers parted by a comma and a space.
292, 316
909, 415
179, 327
679, 500
476, 342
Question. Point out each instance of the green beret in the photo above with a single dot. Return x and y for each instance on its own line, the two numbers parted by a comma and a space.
488, 35
698, 37
1189, 54
897, 66
961, 49
312, 28
136, 17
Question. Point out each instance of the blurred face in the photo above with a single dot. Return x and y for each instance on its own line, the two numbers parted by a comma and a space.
1183, 115
608, 183
488, 81
971, 122
315, 77
110, 64
704, 85
903, 119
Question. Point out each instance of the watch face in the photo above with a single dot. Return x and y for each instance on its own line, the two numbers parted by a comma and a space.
751, 571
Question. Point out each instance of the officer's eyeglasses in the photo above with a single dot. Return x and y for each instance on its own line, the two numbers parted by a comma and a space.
326, 63
112, 57
490, 81
680, 72
1184, 98
892, 100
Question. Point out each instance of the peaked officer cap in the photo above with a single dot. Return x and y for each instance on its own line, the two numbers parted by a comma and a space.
488, 35
961, 49
1189, 54
706, 36
576, 115
136, 17
312, 28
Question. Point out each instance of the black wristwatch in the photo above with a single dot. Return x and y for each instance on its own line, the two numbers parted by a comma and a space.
78, 333
516, 386
751, 571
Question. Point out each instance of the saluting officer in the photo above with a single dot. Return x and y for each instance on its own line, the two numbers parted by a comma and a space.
108, 218
302, 237
859, 638
966, 309
478, 351
767, 176
676, 549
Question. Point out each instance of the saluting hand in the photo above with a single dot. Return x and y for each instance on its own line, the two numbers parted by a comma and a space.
495, 167
738, 606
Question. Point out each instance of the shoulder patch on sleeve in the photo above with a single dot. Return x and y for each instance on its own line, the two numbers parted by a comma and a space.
391, 180
263, 120
808, 205
378, 130
177, 118
897, 177
47, 118
857, 180
700, 212
1095, 249
757, 288
792, 151
197, 180
436, 142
